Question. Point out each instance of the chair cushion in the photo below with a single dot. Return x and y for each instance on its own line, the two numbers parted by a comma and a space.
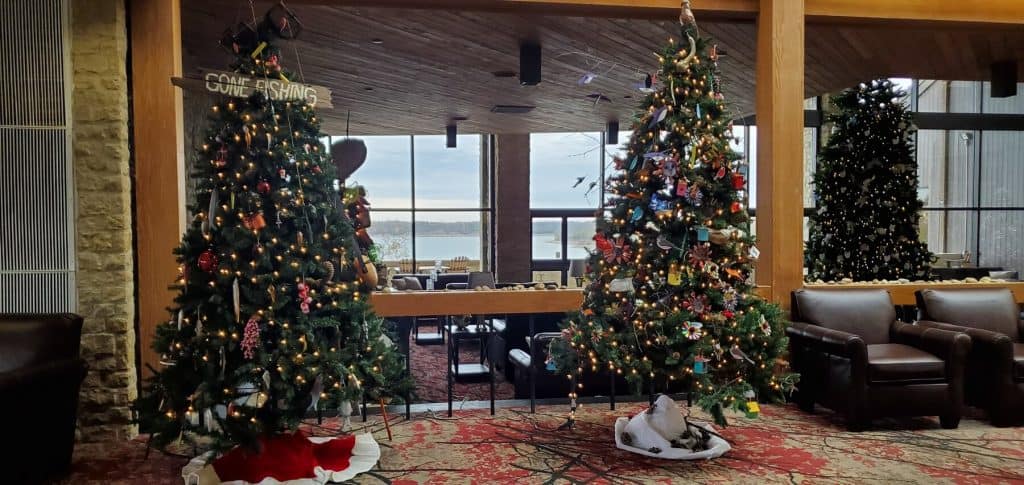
398, 283
413, 283
992, 309
900, 363
1018, 361
867, 313
519, 358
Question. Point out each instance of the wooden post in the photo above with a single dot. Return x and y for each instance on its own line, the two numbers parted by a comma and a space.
159, 161
780, 146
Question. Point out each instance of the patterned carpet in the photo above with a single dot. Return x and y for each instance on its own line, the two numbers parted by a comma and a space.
428, 370
782, 446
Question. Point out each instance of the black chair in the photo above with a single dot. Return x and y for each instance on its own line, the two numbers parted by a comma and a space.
40, 376
433, 338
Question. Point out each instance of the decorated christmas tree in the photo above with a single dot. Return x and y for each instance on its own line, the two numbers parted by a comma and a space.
670, 302
271, 321
866, 224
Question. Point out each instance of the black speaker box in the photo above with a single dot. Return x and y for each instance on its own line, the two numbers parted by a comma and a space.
529, 64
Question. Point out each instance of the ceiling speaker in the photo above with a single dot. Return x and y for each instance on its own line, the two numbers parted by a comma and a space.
529, 64
451, 136
612, 135
1004, 79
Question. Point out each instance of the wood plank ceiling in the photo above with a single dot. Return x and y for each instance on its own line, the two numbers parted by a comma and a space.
433, 65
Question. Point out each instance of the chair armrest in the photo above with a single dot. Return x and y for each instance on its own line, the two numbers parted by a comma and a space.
1020, 330
827, 340
991, 343
951, 346
43, 375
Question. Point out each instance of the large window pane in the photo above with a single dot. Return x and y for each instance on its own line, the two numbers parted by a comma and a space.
392, 232
581, 237
810, 164
387, 173
547, 238
1002, 240
557, 162
1011, 105
950, 232
446, 235
948, 168
1002, 169
448, 177
949, 96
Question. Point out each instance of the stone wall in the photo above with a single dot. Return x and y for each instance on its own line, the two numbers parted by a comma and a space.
104, 217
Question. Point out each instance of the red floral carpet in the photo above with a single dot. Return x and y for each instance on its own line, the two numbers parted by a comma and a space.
783, 445
428, 371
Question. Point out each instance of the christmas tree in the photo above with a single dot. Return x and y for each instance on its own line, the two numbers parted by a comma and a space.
866, 224
271, 320
670, 301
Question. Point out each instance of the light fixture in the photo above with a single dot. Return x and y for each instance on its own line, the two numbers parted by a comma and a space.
376, 41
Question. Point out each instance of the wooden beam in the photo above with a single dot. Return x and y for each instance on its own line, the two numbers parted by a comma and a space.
780, 145
650, 9
158, 139
958, 11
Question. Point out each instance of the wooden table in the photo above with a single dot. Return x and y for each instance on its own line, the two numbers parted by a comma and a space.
405, 305
470, 302
903, 294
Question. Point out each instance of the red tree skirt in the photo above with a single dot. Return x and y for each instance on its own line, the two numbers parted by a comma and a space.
294, 459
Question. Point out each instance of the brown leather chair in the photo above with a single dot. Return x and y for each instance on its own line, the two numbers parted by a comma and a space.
854, 357
40, 375
995, 367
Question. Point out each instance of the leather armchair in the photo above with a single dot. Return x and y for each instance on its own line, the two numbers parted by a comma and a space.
855, 358
995, 367
40, 375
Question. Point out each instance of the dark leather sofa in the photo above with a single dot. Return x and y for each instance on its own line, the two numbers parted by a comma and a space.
855, 358
995, 368
40, 375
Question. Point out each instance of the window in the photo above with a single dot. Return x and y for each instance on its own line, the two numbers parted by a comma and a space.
428, 203
566, 186
557, 162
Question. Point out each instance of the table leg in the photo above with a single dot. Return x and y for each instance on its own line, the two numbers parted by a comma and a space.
404, 335
448, 347
490, 366
531, 370
611, 399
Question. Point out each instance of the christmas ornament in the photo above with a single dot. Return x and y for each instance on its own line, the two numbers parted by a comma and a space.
738, 181
699, 364
251, 337
236, 300
304, 298
692, 330
208, 261
735, 207
703, 233
621, 285
263, 187
348, 155
254, 222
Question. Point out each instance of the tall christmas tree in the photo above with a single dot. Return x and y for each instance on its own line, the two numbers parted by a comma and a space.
670, 301
271, 319
866, 224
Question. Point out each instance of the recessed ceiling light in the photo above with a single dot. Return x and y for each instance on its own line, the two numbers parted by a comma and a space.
503, 74
377, 41
628, 96
368, 88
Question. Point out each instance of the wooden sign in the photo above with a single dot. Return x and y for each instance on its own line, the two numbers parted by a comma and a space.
242, 86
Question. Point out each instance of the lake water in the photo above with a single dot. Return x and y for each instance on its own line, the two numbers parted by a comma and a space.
447, 247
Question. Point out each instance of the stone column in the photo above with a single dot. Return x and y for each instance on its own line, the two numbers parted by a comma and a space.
106, 289
512, 208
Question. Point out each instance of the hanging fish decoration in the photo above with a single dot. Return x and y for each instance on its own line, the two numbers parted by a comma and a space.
181, 314
211, 212
235, 294
658, 116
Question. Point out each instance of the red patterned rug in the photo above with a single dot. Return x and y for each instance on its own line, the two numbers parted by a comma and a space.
784, 445
428, 371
